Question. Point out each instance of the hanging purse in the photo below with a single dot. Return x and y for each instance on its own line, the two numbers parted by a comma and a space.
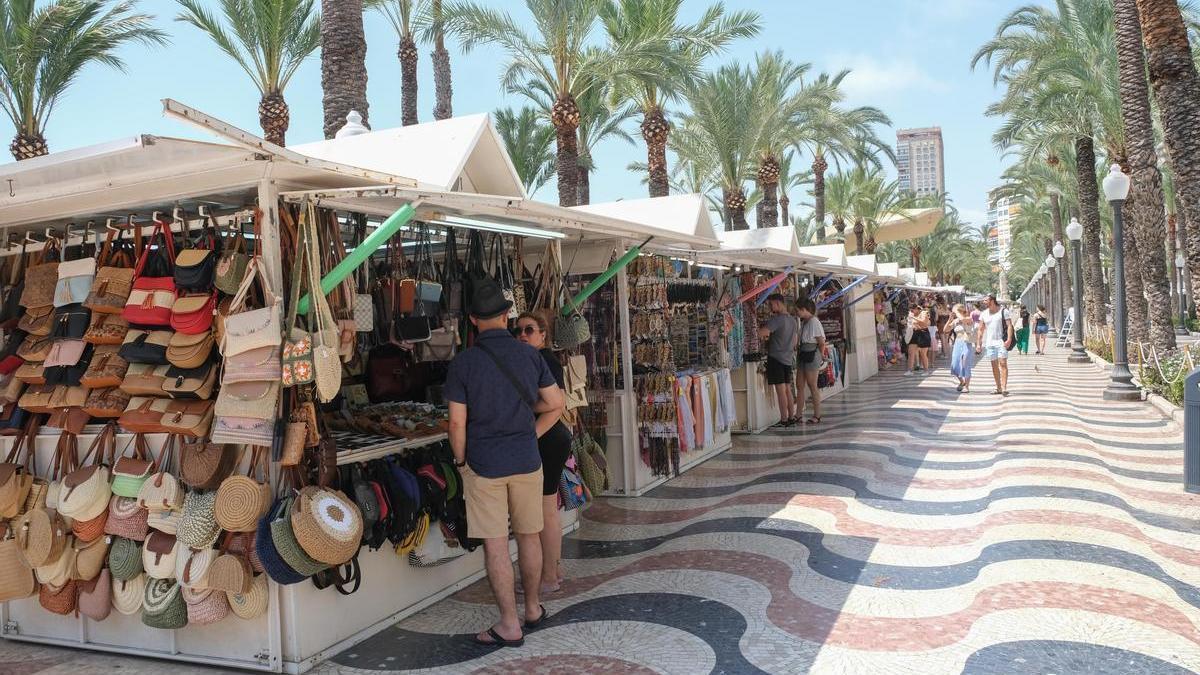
144, 415
441, 344
253, 603
35, 349
127, 519
144, 380
41, 278
106, 329
16, 578
128, 595
10, 392
106, 403
144, 346
75, 277
163, 605
162, 491
38, 321
125, 559
41, 536
58, 599
190, 383
114, 278
190, 419
203, 466
64, 353
297, 356
251, 329
37, 397
327, 363
363, 302
106, 368
242, 500
205, 607
70, 322
327, 524
86, 490
192, 566
159, 554
10, 306
130, 472
9, 360
17, 471
231, 572
190, 351
198, 526
193, 314
195, 265
153, 294
232, 263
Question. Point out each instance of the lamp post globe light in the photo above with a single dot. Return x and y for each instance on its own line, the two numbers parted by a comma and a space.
1075, 235
1181, 285
1120, 385
1051, 291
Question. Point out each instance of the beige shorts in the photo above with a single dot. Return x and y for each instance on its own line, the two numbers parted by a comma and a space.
492, 502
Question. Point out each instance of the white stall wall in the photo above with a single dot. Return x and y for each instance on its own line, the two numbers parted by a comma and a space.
863, 362
756, 406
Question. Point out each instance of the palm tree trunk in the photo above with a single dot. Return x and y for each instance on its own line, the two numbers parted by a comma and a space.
565, 118
343, 62
585, 186
27, 146
1056, 217
768, 182
784, 201
1146, 200
274, 117
839, 226
1135, 291
818, 167
1173, 273
1089, 210
408, 80
443, 82
735, 207
655, 130
860, 235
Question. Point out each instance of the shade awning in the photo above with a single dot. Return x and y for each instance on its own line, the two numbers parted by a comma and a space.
908, 224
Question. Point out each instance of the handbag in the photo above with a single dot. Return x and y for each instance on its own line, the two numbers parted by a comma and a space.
30, 373
231, 572
194, 313
58, 599
65, 353
190, 350
327, 363
153, 294
251, 329
128, 594
89, 558
106, 369
193, 565
58, 571
243, 430
190, 419
232, 263
16, 577
127, 519
190, 383
10, 305
125, 559
195, 269
288, 546
327, 525
145, 346
198, 526
242, 500
41, 279
297, 356
75, 278
575, 379
252, 603
129, 472
203, 466
90, 529
273, 563
37, 321
86, 490
144, 415
256, 400
441, 344
144, 380
106, 403
35, 349
205, 607
16, 474
162, 491
36, 398
106, 329
95, 596
41, 536
10, 392
159, 554
256, 365
571, 491
114, 276
163, 605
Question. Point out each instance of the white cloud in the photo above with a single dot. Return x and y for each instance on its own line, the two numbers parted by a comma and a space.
871, 79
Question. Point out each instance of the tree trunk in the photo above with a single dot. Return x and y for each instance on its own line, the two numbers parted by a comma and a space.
655, 130
784, 217
274, 117
585, 186
818, 168
343, 62
1135, 292
1177, 91
768, 184
28, 146
408, 80
1173, 273
839, 226
1146, 202
860, 235
565, 118
735, 208
443, 82
1089, 209
1056, 217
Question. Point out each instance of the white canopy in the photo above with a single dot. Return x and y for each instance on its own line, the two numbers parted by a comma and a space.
676, 218
908, 224
834, 256
922, 278
908, 274
461, 154
766, 248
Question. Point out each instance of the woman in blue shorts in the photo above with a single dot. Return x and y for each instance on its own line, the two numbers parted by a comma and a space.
1041, 327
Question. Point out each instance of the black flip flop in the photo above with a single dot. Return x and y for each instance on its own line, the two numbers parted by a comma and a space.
534, 625
498, 641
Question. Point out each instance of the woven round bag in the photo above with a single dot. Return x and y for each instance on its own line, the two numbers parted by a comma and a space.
58, 599
85, 491
127, 595
245, 544
162, 491
288, 547
124, 560
327, 524
253, 603
242, 500
163, 605
58, 571
127, 519
159, 554
95, 597
41, 535
198, 526
264, 548
192, 567
89, 558
91, 529
231, 573
165, 521
205, 606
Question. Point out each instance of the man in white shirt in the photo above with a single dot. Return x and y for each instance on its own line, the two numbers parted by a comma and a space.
995, 340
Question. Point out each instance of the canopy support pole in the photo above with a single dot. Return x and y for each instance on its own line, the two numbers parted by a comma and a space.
604, 277
630, 451
820, 285
868, 295
842, 292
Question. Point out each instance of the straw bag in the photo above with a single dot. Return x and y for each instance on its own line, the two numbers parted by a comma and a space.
126, 518
92, 528
58, 571
230, 572
242, 500
85, 491
162, 491
285, 542
41, 536
159, 554
272, 561
327, 525
89, 559
205, 606
262, 364
232, 263
125, 559
16, 474
131, 471
243, 543
253, 603
95, 597
251, 329
204, 466
58, 599
253, 400
163, 605
165, 521
127, 595
192, 566
16, 577
198, 526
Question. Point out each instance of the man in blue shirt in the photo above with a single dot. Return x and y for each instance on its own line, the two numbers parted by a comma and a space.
497, 390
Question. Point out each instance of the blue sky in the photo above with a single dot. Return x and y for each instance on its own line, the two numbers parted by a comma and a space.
909, 57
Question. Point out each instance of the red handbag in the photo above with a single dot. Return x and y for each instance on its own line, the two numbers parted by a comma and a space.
10, 363
153, 293
193, 314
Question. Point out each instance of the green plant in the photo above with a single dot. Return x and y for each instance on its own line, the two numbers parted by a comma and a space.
1166, 375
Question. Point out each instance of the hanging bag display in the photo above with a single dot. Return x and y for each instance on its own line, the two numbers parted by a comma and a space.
41, 279
86, 490
106, 329
16, 577
130, 472
17, 471
162, 491
95, 596
114, 278
128, 594
10, 305
75, 277
232, 261
242, 500
163, 605
154, 293
195, 265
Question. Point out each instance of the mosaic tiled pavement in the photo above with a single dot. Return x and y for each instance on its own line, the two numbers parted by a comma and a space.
916, 530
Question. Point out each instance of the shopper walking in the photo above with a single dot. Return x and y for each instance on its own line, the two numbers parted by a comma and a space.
917, 336
554, 445
781, 331
810, 358
962, 357
996, 336
500, 392
1022, 326
943, 318
1041, 328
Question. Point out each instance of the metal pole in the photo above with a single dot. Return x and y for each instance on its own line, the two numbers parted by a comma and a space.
1078, 353
1183, 327
1059, 306
1120, 386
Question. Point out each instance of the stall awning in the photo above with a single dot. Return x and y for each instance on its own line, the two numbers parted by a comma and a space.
908, 224
834, 259
908, 274
890, 271
673, 219
922, 278
461, 154
774, 248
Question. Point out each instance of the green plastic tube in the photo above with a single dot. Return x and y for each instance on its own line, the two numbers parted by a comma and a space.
361, 252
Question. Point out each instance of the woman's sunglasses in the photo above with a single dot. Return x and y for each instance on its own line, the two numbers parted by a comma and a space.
528, 330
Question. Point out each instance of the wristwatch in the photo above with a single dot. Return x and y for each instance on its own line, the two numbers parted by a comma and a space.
460, 464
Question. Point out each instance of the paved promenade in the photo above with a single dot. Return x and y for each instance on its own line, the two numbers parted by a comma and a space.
916, 530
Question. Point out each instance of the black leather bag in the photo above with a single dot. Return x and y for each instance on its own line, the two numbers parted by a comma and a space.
70, 322
70, 375
10, 307
142, 350
415, 328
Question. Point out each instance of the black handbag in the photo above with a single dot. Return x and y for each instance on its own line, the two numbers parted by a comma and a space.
70, 322
70, 375
10, 308
141, 350
196, 264
452, 277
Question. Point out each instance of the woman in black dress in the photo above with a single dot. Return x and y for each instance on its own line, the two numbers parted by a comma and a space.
554, 443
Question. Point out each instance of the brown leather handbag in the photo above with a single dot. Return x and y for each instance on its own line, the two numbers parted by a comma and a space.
203, 465
143, 379
190, 351
68, 397
37, 321
35, 349
106, 329
191, 419
42, 278
36, 398
144, 415
107, 368
31, 373
106, 403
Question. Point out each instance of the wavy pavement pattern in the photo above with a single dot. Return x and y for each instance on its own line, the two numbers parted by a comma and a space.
916, 530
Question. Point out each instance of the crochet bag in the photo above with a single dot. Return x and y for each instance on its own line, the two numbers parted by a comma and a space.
242, 500
91, 529
203, 466
58, 571
230, 572
253, 603
85, 491
89, 559
127, 518
16, 577
273, 563
16, 474
95, 597
190, 351
58, 599
159, 554
327, 525
127, 595
198, 526
205, 606
130, 472
286, 543
124, 559
162, 491
163, 605
41, 536
192, 567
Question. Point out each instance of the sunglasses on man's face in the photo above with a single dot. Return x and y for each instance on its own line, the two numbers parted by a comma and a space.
527, 330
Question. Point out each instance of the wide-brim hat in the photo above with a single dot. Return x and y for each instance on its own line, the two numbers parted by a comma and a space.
488, 300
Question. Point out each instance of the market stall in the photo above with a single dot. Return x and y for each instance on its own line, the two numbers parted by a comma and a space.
835, 287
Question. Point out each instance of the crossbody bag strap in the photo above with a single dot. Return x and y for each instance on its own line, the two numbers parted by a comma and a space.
508, 374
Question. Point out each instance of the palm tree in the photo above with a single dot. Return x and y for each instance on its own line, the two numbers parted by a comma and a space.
270, 39
402, 14
43, 50
527, 138
1146, 197
781, 103
443, 84
343, 62
633, 24
788, 181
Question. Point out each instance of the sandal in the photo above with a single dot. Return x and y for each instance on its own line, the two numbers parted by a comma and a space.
498, 641
997, 392
959, 387
534, 625
813, 420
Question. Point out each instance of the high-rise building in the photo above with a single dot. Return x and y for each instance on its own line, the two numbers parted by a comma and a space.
1001, 212
921, 161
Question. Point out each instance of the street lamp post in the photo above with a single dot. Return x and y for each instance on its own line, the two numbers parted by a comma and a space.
1075, 234
1120, 384
1180, 264
1058, 252
1051, 263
